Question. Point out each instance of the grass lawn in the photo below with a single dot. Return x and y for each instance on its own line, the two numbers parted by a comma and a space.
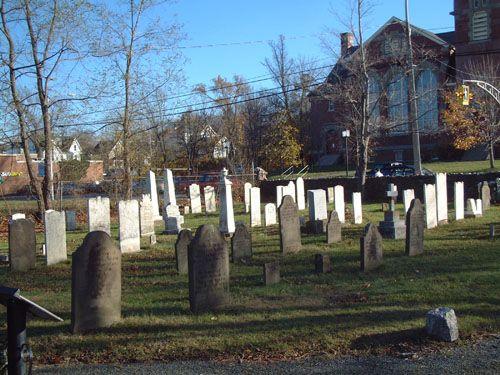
306, 314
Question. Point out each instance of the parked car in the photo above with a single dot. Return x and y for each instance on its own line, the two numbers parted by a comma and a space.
392, 170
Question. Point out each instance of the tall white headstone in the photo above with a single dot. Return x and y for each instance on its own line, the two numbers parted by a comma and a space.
195, 198
430, 206
226, 219
339, 202
441, 198
168, 188
98, 215
317, 205
247, 188
255, 211
301, 198
55, 236
357, 208
330, 194
129, 227
146, 221
291, 190
408, 196
471, 210
459, 200
270, 214
210, 199
280, 193
479, 207
153, 192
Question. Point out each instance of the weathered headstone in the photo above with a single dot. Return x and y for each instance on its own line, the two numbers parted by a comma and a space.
168, 188
415, 224
153, 193
290, 241
70, 220
485, 195
317, 205
408, 196
441, 323
226, 218
271, 273
430, 206
330, 194
255, 210
173, 224
55, 236
208, 260
459, 200
339, 202
98, 215
301, 199
241, 243
471, 211
187, 210
371, 248
279, 195
246, 191
210, 199
270, 214
22, 245
322, 263
95, 283
357, 208
479, 207
146, 220
333, 228
181, 251
129, 228
441, 198
195, 198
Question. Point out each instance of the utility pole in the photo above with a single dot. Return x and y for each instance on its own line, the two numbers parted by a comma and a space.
413, 110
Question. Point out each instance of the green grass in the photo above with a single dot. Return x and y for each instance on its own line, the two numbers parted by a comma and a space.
306, 314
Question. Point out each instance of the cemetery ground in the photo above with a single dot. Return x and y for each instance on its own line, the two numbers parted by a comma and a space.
305, 315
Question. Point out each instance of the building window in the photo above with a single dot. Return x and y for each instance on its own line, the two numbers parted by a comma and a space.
427, 100
398, 155
480, 25
331, 106
397, 101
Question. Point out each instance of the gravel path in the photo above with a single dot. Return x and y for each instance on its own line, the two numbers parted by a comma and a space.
481, 358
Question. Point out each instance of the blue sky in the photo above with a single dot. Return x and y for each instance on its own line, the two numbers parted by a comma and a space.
229, 21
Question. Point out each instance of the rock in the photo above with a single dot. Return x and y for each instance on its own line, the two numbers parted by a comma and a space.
441, 323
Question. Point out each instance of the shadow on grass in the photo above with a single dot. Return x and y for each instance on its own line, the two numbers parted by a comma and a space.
388, 340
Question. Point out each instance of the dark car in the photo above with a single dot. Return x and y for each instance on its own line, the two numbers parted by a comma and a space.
392, 170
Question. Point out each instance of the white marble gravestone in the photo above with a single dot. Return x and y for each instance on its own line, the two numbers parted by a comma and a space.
290, 190
17, 216
339, 202
98, 215
226, 218
168, 188
357, 208
441, 198
408, 196
195, 198
330, 194
246, 191
146, 220
279, 194
270, 214
55, 236
317, 205
129, 227
300, 192
430, 206
153, 193
459, 200
210, 199
255, 211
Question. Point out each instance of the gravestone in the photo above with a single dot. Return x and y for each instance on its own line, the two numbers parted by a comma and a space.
408, 196
208, 262
55, 236
186, 210
290, 190
330, 194
339, 202
70, 220
471, 211
322, 263
129, 228
371, 248
22, 245
279, 195
317, 205
17, 216
392, 226
270, 214
246, 191
357, 208
168, 188
181, 251
195, 198
290, 241
210, 199
95, 283
241, 243
485, 195
430, 206
226, 217
173, 224
271, 273
415, 224
441, 198
153, 193
479, 207
255, 211
146, 220
333, 228
459, 200
301, 199
98, 215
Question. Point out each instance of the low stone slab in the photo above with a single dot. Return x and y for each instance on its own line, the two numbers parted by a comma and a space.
442, 324
181, 251
392, 226
322, 263
271, 273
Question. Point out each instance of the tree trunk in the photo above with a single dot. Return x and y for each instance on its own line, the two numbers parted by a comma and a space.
362, 165
492, 154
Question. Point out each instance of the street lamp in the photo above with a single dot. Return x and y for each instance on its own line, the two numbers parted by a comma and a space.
346, 134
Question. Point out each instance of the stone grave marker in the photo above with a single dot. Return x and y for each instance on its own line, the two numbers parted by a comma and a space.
430, 206
318, 213
339, 202
279, 195
173, 224
371, 248
146, 220
153, 193
17, 216
241, 243
168, 188
270, 214
70, 220
246, 191
357, 208
479, 207
95, 283
195, 198
290, 190
415, 224
181, 251
392, 226
471, 211
226, 217
187, 210
330, 194
98, 215
459, 200
208, 262
485, 195
290, 241
408, 196
272, 273
441, 198
323, 263
333, 228
255, 210
301, 199
55, 236
22, 245
210, 199
129, 228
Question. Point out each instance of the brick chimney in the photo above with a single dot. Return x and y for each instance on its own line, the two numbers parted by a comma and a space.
346, 42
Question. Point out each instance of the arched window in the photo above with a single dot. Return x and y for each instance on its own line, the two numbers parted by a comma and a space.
374, 98
427, 100
397, 100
